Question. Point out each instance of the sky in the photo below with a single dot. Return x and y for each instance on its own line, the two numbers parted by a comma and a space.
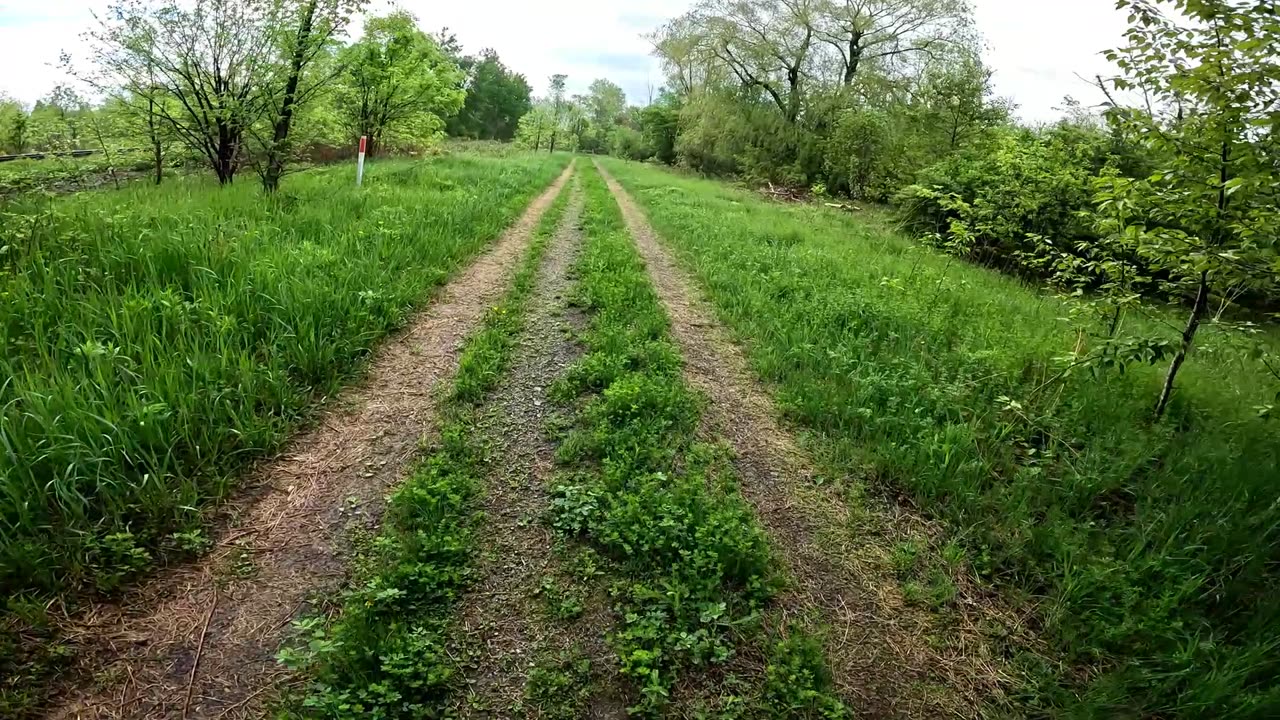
1037, 48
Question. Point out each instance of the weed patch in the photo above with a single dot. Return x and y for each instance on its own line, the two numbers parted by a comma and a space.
694, 569
386, 654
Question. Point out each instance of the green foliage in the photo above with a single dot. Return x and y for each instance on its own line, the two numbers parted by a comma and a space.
1207, 216
856, 152
660, 124
386, 655
798, 683
496, 100
397, 85
696, 564
560, 686
1148, 547
1014, 205
154, 341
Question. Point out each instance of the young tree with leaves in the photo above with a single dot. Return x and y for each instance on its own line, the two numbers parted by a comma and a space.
203, 66
315, 23
397, 82
1208, 216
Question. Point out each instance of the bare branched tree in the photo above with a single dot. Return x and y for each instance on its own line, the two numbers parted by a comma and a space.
202, 69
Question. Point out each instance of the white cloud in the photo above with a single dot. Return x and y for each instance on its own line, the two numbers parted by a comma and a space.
1037, 47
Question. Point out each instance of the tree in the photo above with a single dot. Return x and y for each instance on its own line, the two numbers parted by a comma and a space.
1207, 216
202, 66
557, 107
55, 120
956, 100
316, 23
397, 83
496, 100
866, 30
13, 125
605, 102
534, 127
766, 44
660, 124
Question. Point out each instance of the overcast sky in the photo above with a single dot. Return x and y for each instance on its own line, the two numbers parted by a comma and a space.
1036, 47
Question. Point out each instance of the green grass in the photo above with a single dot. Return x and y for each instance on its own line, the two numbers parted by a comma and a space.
1149, 550
694, 570
386, 655
154, 341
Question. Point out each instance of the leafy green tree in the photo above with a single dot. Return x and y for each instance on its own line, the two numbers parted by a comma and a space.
496, 100
13, 125
55, 121
869, 31
202, 66
306, 30
606, 103
397, 84
855, 151
660, 125
534, 128
1207, 217
558, 107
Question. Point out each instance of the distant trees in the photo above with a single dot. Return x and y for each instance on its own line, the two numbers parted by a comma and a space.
250, 82
496, 99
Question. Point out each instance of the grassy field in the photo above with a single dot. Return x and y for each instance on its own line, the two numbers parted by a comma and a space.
1148, 551
155, 340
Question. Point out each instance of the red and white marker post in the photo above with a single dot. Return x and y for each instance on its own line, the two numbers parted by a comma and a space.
364, 140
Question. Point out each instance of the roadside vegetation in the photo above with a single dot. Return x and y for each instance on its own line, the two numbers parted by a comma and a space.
385, 654
158, 340
1143, 546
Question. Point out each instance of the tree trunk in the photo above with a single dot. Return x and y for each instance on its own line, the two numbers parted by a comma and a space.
158, 154
855, 57
280, 136
1188, 340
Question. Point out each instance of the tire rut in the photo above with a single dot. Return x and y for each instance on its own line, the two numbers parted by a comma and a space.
200, 641
880, 650
503, 628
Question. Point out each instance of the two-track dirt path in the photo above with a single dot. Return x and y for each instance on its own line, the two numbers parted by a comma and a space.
504, 626
200, 641
879, 649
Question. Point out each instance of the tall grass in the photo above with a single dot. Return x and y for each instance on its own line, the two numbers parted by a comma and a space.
1150, 550
154, 340
386, 655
